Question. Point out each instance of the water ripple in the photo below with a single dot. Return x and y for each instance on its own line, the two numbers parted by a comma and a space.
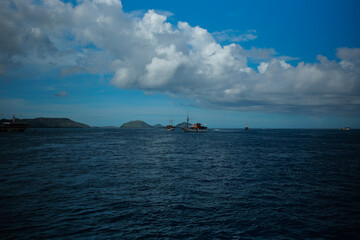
153, 184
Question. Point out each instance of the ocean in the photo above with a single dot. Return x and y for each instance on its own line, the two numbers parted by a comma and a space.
155, 184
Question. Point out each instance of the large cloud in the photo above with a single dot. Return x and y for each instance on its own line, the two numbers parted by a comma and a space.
151, 54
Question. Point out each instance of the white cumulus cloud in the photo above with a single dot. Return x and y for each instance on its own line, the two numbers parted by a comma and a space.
151, 54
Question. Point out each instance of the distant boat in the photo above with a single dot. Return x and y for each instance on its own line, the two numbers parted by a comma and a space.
345, 128
13, 126
170, 127
246, 126
197, 127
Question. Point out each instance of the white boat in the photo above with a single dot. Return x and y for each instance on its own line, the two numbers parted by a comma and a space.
170, 127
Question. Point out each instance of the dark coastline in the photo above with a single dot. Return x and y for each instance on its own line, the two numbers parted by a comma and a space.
42, 122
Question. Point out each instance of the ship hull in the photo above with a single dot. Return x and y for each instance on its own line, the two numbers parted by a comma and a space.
14, 127
194, 130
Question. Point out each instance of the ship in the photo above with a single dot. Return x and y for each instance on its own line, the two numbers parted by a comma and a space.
13, 126
197, 127
246, 126
170, 127
345, 128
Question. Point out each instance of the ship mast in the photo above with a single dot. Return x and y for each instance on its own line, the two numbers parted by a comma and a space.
187, 121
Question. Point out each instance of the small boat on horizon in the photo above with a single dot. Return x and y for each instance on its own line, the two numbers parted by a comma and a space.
13, 126
246, 126
170, 127
345, 128
197, 127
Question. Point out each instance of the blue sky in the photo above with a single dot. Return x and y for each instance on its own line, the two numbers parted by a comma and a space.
287, 64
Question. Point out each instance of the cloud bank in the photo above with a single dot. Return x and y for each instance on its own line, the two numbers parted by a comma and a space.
150, 54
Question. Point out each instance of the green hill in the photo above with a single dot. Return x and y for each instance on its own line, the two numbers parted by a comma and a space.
136, 124
53, 123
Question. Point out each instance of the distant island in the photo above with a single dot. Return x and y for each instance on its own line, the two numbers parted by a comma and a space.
183, 125
142, 124
136, 124
50, 123
43, 122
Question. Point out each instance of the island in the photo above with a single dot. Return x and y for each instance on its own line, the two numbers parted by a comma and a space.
183, 125
158, 125
42, 122
136, 124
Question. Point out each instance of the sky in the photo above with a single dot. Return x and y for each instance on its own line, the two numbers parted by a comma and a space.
272, 64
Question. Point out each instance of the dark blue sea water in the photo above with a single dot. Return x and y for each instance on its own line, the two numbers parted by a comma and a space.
154, 184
